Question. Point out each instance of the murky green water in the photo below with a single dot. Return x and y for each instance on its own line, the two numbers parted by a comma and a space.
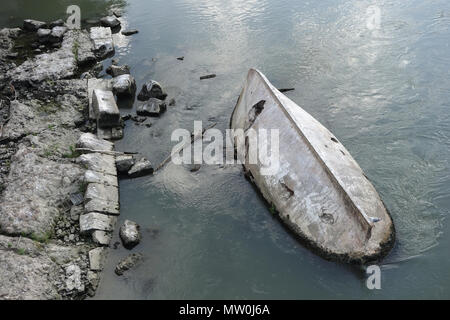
385, 93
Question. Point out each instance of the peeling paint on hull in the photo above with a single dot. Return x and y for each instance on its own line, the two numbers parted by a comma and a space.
319, 191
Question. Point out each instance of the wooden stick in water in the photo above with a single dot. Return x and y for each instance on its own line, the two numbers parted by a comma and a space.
112, 153
193, 138
209, 76
286, 90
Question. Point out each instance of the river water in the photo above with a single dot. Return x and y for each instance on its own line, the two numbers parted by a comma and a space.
382, 88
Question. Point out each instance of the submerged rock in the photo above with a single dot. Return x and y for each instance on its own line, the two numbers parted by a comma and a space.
151, 89
138, 119
116, 71
141, 168
33, 25
124, 85
153, 108
129, 234
128, 263
129, 32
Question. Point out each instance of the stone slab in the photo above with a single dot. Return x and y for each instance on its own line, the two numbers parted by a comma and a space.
99, 162
93, 221
105, 109
103, 84
102, 178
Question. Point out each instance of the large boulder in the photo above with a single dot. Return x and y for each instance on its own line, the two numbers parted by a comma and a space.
124, 85
33, 25
129, 234
153, 108
128, 263
124, 163
151, 89
141, 168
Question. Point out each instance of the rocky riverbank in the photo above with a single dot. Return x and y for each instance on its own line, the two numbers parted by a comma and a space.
58, 205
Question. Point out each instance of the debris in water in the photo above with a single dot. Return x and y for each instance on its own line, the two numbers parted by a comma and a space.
130, 32
286, 90
128, 263
209, 76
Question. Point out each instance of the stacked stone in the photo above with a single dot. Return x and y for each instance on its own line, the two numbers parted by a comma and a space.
101, 199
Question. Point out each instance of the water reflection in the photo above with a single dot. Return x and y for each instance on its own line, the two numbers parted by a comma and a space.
383, 92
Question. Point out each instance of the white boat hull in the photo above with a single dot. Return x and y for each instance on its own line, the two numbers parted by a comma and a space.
319, 191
